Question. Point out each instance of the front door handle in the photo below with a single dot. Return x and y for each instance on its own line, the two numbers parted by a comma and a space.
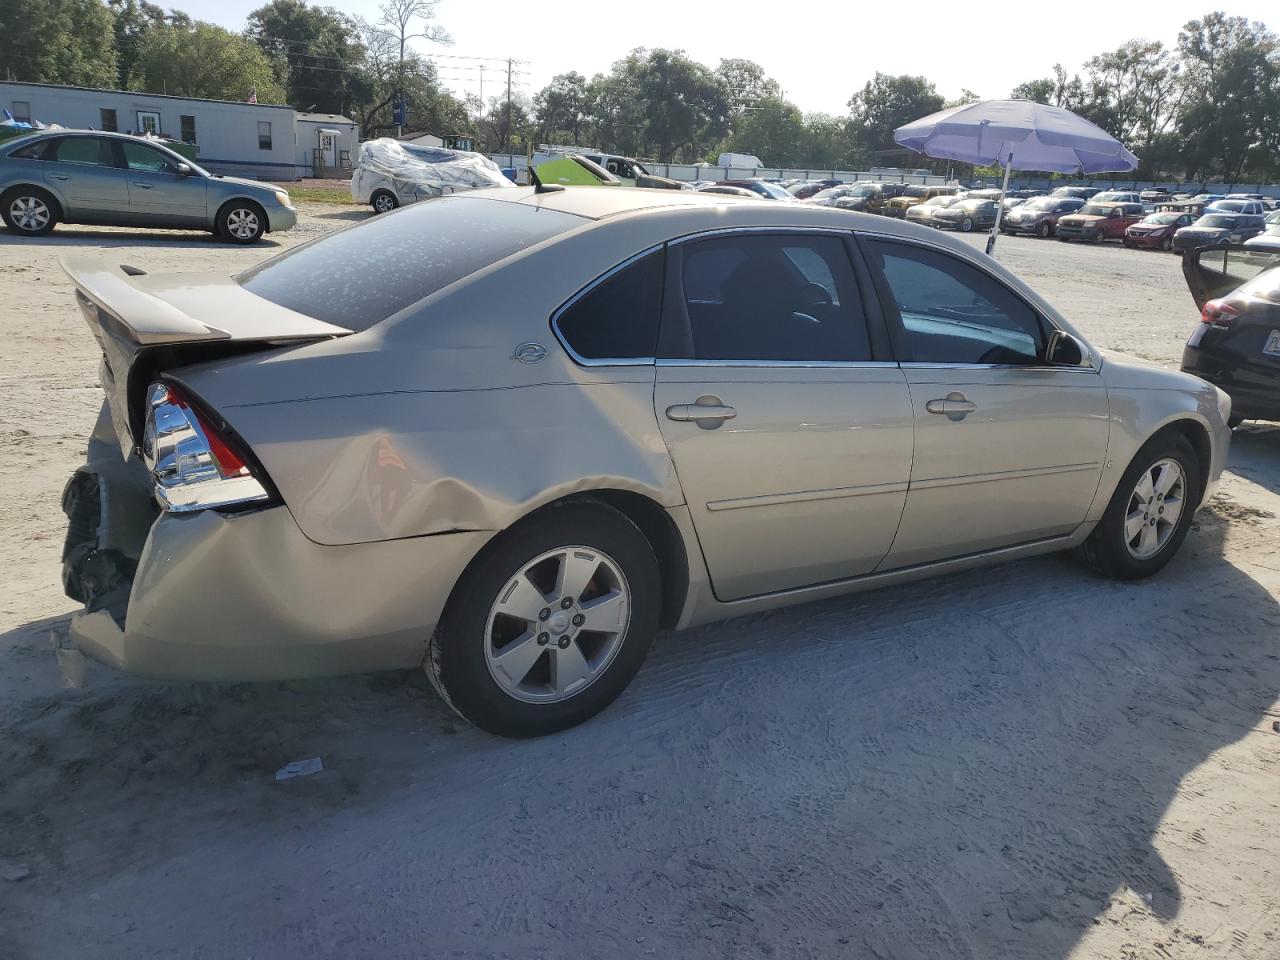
707, 412
144, 186
59, 176
956, 406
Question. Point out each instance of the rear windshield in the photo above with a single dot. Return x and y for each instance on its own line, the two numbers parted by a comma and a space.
360, 276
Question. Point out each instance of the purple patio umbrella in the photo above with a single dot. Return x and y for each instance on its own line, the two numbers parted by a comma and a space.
1019, 134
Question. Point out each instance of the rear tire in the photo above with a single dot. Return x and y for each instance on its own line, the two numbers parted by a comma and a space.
966, 225
29, 211
383, 201
241, 221
510, 601
1133, 540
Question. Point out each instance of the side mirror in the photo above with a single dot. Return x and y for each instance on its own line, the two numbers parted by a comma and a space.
184, 170
1064, 350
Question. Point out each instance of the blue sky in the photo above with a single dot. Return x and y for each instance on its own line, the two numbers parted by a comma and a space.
820, 60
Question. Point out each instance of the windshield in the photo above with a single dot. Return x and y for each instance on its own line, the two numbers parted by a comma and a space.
772, 189
1093, 210
1041, 203
1216, 222
1162, 218
360, 276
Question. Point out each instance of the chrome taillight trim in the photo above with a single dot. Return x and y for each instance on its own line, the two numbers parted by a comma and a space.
180, 458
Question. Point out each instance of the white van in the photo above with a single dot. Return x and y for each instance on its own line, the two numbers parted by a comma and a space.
747, 160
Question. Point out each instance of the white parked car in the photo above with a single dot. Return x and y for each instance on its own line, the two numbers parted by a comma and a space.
391, 174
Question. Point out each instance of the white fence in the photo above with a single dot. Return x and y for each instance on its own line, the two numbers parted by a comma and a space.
688, 172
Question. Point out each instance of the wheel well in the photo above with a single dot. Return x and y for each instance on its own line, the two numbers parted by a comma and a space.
1198, 437
248, 201
668, 546
4, 197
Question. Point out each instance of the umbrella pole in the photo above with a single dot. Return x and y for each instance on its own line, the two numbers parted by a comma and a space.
1004, 190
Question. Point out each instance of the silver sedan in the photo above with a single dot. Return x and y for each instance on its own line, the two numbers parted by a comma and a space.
509, 436
76, 176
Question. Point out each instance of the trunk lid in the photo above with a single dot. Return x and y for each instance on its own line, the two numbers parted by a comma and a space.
147, 324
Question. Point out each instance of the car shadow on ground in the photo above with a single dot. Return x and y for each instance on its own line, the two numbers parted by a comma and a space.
1255, 452
122, 237
355, 216
972, 766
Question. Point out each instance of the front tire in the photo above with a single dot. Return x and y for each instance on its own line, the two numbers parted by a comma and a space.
1149, 513
549, 625
1166, 244
242, 221
1045, 231
966, 225
383, 201
29, 211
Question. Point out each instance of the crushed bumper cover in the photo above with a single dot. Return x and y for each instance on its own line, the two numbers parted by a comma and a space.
249, 597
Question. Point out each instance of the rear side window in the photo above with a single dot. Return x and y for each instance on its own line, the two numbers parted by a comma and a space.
364, 274
617, 319
90, 150
783, 298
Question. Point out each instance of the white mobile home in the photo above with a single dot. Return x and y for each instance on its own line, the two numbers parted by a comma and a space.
253, 140
327, 144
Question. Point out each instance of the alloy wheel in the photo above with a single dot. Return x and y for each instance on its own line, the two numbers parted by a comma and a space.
384, 203
1154, 509
242, 223
29, 213
557, 624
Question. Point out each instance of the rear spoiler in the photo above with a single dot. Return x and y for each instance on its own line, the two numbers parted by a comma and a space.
145, 323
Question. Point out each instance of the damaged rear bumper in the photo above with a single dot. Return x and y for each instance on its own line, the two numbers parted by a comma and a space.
211, 596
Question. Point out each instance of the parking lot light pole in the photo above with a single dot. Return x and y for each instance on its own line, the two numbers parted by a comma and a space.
1004, 190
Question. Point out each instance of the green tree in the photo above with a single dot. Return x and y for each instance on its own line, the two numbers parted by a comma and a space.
773, 130
1232, 109
204, 60
747, 85
1134, 92
318, 50
1057, 91
58, 41
133, 22
562, 108
383, 74
885, 104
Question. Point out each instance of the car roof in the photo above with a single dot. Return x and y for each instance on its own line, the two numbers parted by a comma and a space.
596, 203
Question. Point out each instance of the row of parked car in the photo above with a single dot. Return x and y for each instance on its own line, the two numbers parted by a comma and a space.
1150, 219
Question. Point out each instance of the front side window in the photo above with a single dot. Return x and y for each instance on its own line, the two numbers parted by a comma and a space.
617, 319
89, 150
954, 313
138, 156
264, 134
784, 297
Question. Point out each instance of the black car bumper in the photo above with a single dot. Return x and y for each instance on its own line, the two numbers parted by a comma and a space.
1253, 397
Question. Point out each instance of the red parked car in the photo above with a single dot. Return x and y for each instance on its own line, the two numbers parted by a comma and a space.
1155, 231
1100, 221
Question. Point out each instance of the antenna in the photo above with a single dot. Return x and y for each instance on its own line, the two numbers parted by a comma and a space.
539, 186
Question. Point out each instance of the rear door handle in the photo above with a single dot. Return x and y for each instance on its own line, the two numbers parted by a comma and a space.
706, 412
59, 176
956, 406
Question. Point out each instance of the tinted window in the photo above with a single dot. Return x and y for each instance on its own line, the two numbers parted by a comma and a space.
32, 151
91, 150
617, 319
955, 313
364, 274
784, 297
138, 156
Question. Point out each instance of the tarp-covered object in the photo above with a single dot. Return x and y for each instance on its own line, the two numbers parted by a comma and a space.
419, 173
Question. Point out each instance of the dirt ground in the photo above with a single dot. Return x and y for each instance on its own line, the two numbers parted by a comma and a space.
1018, 762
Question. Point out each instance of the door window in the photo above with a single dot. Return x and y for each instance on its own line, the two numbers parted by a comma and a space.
784, 297
138, 156
617, 319
952, 312
88, 150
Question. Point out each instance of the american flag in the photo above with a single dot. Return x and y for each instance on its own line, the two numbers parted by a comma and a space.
253, 97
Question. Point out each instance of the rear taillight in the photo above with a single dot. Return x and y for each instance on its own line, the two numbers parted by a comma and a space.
194, 464
1218, 313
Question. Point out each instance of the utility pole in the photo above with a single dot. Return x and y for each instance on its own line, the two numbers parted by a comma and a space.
482, 89
508, 137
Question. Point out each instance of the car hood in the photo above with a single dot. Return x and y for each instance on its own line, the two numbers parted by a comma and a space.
1204, 231
255, 185
1080, 218
1133, 373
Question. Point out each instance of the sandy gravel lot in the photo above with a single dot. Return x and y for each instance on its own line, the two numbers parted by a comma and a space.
1019, 762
